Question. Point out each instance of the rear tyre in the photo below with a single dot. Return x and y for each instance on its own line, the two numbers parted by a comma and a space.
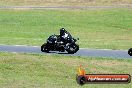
130, 51
73, 48
44, 48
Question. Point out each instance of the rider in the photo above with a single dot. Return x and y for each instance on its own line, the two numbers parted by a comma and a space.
64, 35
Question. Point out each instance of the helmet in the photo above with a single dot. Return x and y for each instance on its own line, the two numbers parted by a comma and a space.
62, 31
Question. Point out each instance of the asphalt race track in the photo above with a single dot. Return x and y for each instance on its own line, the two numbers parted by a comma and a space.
121, 54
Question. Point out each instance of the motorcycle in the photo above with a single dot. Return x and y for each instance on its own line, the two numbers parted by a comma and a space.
130, 51
54, 43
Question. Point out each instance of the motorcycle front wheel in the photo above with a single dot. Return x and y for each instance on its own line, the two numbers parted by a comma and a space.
73, 48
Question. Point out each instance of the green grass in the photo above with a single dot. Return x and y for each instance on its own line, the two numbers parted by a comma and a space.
96, 28
63, 2
46, 71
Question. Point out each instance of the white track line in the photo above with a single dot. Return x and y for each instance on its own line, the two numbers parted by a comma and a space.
64, 7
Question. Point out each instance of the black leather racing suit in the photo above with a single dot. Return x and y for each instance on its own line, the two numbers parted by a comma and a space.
65, 37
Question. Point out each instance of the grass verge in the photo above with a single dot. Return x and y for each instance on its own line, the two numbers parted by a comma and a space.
46, 71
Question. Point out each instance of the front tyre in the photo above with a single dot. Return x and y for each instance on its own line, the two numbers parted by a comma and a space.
73, 48
44, 48
130, 51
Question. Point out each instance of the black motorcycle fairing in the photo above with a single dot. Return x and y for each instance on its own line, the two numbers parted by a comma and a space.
52, 39
73, 40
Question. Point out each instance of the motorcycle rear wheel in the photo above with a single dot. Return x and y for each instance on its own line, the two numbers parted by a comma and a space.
130, 51
44, 48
